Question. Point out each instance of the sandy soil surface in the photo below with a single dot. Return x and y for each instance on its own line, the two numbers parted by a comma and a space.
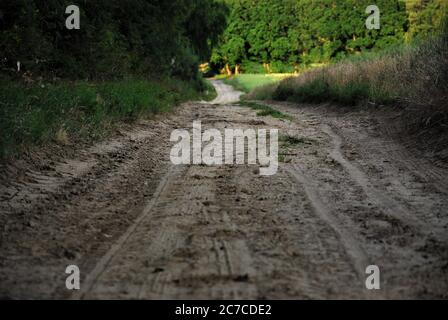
345, 197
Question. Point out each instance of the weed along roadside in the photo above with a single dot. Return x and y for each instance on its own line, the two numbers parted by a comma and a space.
42, 114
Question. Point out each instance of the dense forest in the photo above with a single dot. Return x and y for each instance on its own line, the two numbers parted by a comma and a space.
283, 35
116, 38
141, 37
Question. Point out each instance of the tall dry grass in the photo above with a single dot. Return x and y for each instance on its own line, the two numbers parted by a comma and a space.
414, 77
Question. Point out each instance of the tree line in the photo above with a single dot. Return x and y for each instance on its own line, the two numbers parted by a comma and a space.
284, 35
160, 38
116, 38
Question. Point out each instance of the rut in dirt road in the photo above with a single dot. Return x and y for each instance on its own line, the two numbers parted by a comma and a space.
140, 227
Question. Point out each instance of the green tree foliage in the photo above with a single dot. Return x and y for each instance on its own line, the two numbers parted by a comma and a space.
282, 34
117, 38
425, 15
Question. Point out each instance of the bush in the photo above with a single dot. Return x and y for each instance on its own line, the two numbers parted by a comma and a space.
350, 94
284, 91
314, 91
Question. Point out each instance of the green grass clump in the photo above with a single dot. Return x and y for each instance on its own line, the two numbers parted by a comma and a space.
248, 82
264, 110
32, 114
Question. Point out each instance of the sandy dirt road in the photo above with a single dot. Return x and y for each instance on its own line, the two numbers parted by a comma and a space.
344, 197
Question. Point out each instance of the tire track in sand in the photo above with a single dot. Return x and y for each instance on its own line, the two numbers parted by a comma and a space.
100, 267
356, 254
385, 203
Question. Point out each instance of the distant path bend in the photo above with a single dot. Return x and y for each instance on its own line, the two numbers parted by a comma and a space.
226, 93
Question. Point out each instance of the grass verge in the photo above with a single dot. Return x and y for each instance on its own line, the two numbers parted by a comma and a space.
34, 114
248, 82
